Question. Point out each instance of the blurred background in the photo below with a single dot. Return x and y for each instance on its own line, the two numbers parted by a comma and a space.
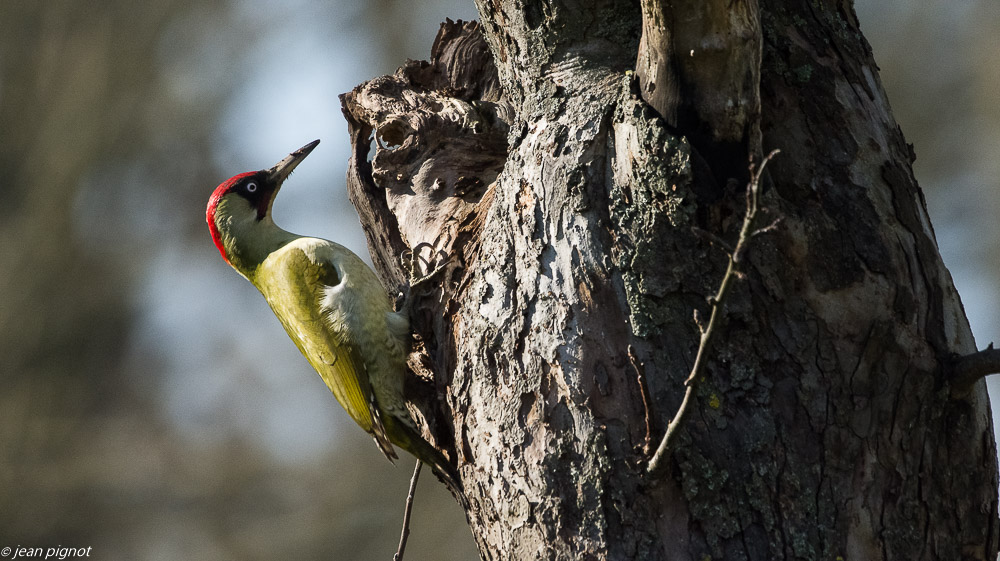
150, 405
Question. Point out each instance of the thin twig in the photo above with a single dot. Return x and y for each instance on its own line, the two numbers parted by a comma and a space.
657, 462
640, 374
968, 369
406, 514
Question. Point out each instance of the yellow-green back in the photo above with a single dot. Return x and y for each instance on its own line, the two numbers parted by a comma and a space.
295, 282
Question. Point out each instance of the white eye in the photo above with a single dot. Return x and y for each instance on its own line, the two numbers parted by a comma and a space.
251, 187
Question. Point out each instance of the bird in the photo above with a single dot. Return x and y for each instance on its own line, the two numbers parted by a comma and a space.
331, 305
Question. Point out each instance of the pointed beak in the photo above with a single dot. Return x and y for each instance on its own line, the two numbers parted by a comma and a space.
282, 169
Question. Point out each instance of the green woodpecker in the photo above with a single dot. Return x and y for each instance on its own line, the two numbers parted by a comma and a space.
330, 303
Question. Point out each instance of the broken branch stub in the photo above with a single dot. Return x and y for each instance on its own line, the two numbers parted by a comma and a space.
440, 130
698, 65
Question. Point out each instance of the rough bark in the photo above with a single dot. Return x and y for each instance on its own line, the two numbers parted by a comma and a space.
567, 192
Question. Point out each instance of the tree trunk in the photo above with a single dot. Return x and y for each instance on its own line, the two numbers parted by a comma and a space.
570, 194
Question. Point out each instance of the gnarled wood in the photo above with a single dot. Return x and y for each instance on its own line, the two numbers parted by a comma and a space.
440, 130
824, 426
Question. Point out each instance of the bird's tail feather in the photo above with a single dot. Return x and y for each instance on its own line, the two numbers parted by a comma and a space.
408, 439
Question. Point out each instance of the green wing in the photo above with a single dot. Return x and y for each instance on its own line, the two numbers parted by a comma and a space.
295, 284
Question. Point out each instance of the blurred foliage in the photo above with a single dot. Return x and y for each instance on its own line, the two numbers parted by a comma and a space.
76, 79
110, 115
108, 111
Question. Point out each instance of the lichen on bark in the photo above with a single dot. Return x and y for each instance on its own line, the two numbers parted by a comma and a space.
824, 426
